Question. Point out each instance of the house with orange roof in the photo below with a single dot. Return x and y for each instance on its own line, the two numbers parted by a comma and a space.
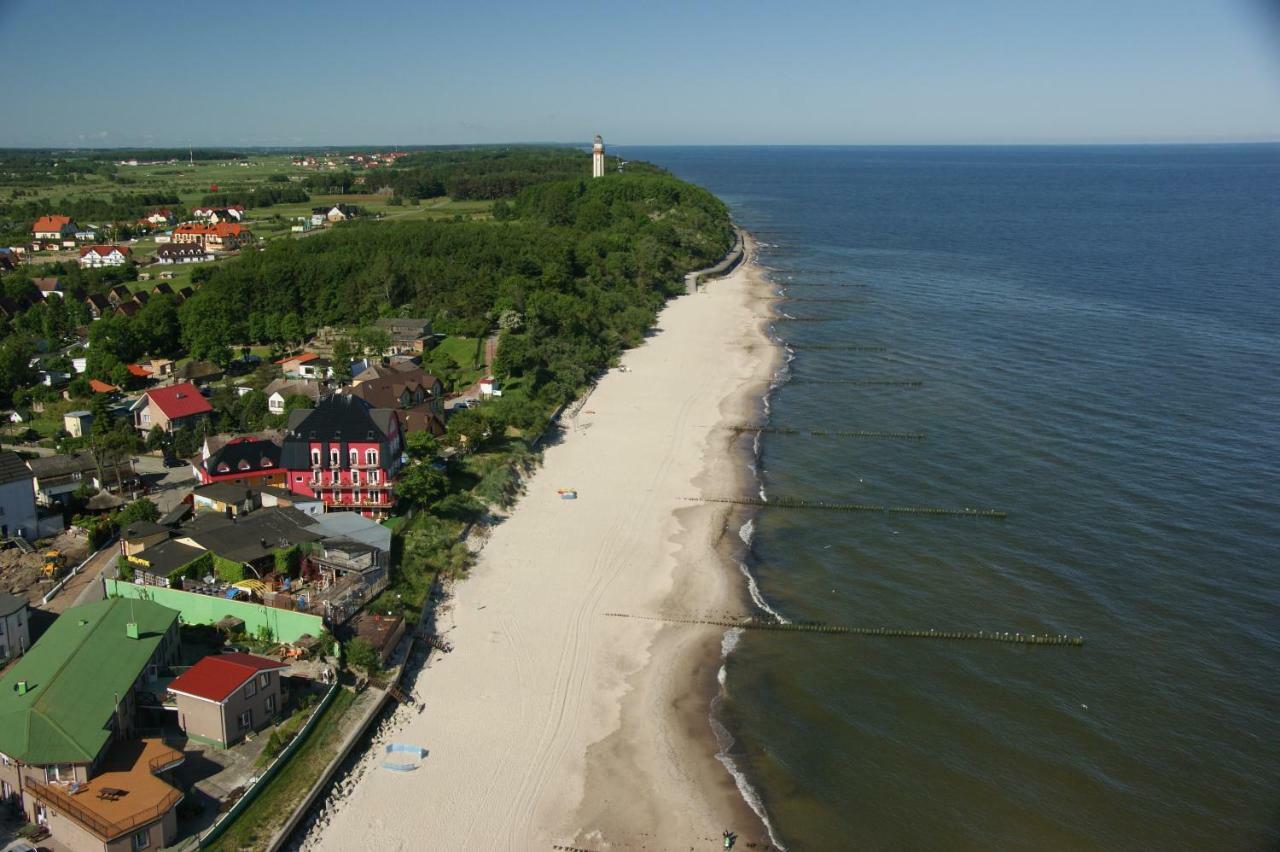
54, 228
101, 387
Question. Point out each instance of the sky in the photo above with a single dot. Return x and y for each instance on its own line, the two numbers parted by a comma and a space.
697, 72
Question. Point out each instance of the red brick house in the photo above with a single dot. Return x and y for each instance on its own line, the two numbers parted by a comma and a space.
345, 452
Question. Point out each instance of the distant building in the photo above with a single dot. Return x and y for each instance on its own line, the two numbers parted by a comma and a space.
408, 336
49, 286
18, 515
77, 423
279, 390
93, 257
417, 396
183, 253
15, 630
54, 228
169, 408
224, 697
58, 477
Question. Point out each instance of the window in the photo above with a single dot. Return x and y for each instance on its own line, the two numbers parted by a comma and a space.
142, 839
335, 458
271, 704
355, 457
373, 476
60, 772
246, 720
355, 477
250, 689
264, 679
370, 457
244, 464
315, 458
355, 496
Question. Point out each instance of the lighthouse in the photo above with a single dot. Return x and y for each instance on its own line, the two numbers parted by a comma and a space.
597, 157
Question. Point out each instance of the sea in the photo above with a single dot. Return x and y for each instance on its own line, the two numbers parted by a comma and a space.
1086, 339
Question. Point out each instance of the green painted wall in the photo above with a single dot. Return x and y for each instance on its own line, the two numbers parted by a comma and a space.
285, 626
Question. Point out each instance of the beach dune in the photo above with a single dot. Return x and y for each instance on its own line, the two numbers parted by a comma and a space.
552, 723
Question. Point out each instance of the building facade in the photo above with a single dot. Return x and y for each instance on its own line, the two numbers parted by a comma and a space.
345, 452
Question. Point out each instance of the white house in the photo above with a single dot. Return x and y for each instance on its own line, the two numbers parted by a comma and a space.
17, 498
15, 632
92, 257
183, 253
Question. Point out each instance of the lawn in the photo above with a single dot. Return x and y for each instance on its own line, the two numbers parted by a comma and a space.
275, 803
458, 361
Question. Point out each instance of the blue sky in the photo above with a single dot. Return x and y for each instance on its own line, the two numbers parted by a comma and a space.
280, 72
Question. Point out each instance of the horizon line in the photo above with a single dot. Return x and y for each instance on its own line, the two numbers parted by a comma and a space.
583, 144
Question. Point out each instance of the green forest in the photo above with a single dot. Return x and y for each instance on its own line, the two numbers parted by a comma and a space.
573, 271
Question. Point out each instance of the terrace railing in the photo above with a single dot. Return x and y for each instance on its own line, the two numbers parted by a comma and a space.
105, 829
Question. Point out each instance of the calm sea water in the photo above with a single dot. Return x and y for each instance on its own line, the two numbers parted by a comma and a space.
1098, 334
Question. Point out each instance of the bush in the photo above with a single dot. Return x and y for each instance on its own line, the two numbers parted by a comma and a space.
361, 655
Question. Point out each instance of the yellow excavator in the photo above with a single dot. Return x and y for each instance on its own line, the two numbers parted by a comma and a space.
54, 562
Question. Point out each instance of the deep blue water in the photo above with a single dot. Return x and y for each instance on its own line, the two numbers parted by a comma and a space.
1097, 331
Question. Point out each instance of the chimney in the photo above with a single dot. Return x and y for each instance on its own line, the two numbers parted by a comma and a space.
131, 629
21, 687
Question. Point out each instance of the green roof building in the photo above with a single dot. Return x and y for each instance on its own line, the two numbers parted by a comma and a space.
63, 702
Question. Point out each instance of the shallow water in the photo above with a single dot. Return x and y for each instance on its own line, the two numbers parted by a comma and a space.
1097, 331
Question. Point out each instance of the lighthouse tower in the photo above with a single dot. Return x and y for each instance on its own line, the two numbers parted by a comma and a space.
597, 158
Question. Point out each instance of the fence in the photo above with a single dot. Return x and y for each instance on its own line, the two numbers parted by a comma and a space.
110, 544
215, 831
285, 625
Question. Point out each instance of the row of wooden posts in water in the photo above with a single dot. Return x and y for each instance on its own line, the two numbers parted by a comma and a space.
792, 503
754, 623
824, 433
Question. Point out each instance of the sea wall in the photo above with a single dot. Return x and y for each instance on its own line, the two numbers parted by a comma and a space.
724, 267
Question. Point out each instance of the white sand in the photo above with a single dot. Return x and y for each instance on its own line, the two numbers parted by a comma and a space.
551, 723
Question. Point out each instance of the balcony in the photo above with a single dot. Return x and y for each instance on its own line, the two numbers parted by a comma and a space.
123, 797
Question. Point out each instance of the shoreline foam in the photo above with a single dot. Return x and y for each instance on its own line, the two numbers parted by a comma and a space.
551, 723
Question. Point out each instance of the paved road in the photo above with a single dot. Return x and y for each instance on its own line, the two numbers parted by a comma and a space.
85, 587
168, 485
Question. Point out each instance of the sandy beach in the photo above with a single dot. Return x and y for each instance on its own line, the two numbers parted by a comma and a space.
552, 723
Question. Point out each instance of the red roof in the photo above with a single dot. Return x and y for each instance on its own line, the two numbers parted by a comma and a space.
301, 359
216, 678
139, 371
50, 223
101, 387
104, 251
181, 400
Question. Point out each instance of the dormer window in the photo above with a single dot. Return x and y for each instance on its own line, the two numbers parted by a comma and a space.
222, 468
265, 463
244, 465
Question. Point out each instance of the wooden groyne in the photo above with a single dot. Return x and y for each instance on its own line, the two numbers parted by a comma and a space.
862, 383
822, 505
785, 318
836, 347
753, 623
824, 433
